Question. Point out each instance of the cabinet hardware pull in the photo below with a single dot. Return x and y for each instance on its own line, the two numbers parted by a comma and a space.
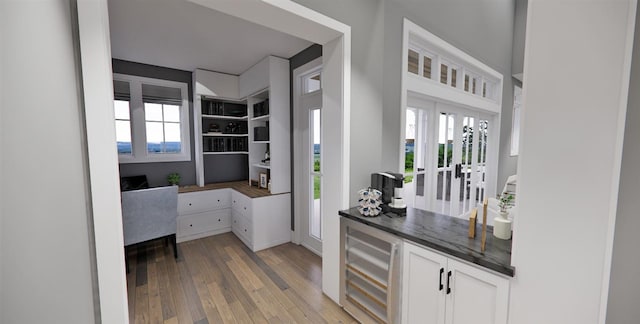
448, 286
189, 204
441, 273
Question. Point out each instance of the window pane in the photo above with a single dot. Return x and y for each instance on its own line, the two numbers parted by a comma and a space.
427, 67
413, 62
312, 83
454, 75
171, 113
172, 132
155, 137
121, 109
123, 136
152, 112
316, 140
444, 71
466, 82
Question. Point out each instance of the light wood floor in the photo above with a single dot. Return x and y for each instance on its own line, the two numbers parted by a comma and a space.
219, 280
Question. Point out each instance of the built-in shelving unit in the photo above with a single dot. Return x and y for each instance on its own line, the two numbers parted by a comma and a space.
245, 115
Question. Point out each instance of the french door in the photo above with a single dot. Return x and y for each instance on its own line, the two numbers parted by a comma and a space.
454, 143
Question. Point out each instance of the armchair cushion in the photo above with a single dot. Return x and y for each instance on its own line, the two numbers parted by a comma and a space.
149, 213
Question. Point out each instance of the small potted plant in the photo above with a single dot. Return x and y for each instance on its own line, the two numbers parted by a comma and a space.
505, 202
173, 178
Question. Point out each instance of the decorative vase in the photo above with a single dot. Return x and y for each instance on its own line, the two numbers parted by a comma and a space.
502, 226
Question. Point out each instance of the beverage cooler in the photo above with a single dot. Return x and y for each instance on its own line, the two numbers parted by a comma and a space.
369, 273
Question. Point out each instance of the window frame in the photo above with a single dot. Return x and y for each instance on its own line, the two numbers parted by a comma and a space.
139, 153
516, 119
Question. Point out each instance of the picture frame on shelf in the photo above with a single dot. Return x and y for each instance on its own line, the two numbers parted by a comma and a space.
263, 180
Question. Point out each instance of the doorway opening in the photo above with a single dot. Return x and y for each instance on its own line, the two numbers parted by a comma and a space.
308, 174
284, 16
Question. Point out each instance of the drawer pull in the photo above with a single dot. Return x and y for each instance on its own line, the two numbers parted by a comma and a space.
190, 225
245, 229
189, 204
219, 220
218, 200
245, 208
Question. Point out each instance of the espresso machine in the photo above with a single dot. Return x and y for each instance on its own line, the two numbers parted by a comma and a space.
390, 184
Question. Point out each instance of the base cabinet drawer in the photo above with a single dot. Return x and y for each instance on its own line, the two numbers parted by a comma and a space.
204, 223
201, 201
242, 227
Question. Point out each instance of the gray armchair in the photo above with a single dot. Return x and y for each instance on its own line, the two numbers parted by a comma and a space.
149, 214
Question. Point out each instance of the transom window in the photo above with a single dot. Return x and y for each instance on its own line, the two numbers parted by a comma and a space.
152, 119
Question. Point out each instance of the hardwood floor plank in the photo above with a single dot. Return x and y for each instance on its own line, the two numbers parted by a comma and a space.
239, 313
131, 291
193, 300
142, 304
173, 320
155, 306
226, 313
265, 268
179, 297
217, 279
166, 293
250, 275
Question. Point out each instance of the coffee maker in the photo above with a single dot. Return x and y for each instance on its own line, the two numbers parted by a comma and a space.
390, 184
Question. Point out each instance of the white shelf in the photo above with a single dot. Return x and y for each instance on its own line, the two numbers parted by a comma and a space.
222, 153
263, 117
225, 117
260, 142
264, 166
224, 135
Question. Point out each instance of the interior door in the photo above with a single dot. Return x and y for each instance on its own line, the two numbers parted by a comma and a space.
311, 170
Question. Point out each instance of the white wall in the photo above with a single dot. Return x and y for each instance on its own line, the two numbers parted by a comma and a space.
367, 25
574, 106
44, 241
624, 291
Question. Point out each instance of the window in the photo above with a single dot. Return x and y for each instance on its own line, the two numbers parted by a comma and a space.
152, 119
312, 82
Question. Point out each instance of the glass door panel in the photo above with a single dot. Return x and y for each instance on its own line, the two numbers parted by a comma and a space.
315, 221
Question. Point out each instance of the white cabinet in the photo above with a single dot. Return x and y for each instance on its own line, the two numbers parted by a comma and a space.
263, 222
437, 289
203, 213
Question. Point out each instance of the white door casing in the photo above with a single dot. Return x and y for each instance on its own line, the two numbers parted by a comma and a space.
283, 15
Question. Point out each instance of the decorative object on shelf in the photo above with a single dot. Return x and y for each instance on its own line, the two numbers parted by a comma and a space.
214, 128
232, 128
255, 183
173, 178
263, 180
472, 223
370, 201
267, 158
269, 185
502, 224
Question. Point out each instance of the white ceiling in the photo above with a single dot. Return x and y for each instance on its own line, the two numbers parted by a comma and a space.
183, 35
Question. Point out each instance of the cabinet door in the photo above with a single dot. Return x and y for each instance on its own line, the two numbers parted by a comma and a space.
477, 296
423, 286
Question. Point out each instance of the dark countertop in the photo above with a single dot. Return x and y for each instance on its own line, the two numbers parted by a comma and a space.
445, 234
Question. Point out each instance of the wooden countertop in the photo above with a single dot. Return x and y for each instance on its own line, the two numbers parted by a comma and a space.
239, 186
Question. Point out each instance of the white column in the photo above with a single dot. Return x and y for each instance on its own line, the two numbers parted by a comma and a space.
576, 74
